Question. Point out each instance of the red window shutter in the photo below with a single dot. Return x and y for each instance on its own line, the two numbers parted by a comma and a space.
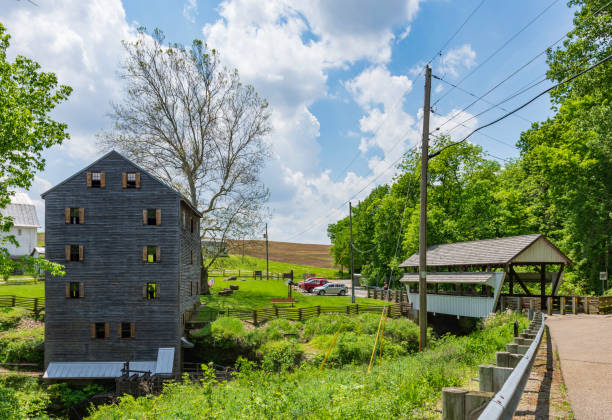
89, 179
81, 215
119, 330
158, 217
137, 179
67, 215
144, 254
67, 252
93, 330
81, 253
132, 329
124, 180
144, 217
67, 290
82, 289
158, 254
106, 330
102, 180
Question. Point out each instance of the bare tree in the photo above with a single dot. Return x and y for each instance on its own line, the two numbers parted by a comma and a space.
189, 121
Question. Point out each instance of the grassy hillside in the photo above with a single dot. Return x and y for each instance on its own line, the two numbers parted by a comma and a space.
254, 294
235, 262
302, 254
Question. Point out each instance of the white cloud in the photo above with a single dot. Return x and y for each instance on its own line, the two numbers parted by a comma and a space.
80, 42
190, 10
457, 58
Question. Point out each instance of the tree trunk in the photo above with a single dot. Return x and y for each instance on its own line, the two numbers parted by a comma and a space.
204, 289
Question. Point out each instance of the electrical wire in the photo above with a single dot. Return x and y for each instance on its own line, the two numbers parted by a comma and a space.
569, 79
512, 38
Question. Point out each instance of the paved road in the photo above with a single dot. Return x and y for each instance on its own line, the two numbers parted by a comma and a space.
584, 344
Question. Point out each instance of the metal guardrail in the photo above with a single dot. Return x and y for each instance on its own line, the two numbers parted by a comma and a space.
504, 403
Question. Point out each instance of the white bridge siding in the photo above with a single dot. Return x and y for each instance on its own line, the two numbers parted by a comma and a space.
472, 306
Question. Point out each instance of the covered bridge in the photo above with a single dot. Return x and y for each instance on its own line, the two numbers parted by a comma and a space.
468, 278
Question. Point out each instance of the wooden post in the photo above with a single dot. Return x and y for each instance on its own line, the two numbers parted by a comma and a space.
453, 403
375, 293
562, 305
357, 308
586, 305
299, 314
13, 301
574, 305
254, 316
550, 304
318, 309
543, 284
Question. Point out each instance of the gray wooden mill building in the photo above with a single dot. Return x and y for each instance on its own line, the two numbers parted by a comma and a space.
130, 245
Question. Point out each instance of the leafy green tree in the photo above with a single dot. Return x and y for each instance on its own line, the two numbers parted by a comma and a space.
27, 96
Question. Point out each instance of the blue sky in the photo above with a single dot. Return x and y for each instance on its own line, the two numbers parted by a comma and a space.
341, 77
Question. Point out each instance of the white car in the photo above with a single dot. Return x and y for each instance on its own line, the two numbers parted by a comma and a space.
331, 289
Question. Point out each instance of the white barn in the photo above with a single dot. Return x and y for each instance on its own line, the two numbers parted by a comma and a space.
25, 225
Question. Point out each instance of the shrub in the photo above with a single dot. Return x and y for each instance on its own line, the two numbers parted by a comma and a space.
352, 348
329, 324
10, 317
23, 346
280, 355
278, 329
228, 330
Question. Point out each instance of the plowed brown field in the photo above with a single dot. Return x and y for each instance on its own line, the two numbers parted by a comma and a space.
288, 252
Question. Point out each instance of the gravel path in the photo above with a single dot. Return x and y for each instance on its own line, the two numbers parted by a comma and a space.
584, 344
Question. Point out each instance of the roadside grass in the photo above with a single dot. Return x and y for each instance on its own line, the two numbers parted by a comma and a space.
235, 262
253, 294
24, 290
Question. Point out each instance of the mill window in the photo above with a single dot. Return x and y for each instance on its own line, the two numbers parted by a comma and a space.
152, 254
151, 217
100, 330
74, 253
96, 179
131, 180
75, 290
151, 291
75, 216
126, 330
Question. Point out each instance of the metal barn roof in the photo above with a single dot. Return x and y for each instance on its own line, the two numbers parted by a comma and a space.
534, 248
24, 215
92, 370
102, 370
466, 278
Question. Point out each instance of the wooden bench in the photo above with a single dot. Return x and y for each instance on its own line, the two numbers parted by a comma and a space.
277, 300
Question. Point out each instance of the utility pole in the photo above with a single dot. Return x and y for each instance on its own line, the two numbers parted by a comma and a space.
267, 264
423, 217
352, 262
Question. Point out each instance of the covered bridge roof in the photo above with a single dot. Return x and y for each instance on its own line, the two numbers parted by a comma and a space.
534, 248
465, 278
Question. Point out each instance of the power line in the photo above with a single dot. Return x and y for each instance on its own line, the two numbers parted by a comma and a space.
569, 79
478, 98
512, 38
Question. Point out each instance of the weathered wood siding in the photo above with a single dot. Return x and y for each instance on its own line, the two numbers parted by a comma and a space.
113, 272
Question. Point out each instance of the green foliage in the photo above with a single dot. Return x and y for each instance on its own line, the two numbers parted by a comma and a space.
9, 404
403, 387
22, 346
280, 355
65, 395
227, 330
28, 97
10, 317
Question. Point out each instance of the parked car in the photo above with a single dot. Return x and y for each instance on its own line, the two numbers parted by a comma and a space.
311, 283
331, 289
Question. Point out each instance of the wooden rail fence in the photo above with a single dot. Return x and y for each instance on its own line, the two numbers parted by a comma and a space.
32, 304
299, 314
560, 304
391, 295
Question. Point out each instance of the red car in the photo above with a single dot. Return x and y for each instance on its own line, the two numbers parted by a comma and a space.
311, 283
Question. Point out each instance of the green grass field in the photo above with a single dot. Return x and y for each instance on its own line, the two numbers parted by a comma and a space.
257, 293
24, 290
235, 262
